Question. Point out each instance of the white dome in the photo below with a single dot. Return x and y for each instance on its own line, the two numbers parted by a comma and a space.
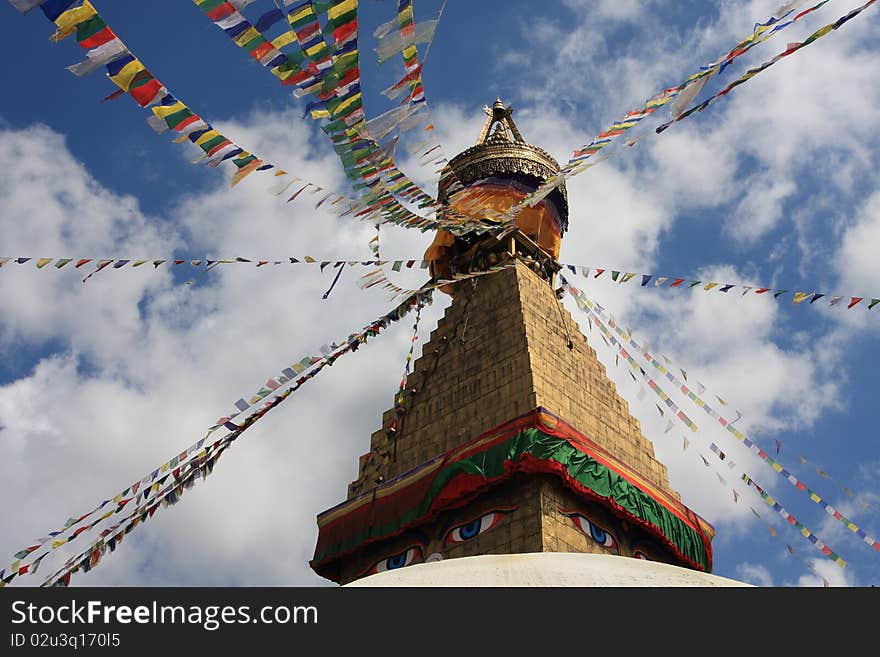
544, 569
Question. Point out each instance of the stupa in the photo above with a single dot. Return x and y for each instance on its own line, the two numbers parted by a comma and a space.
510, 445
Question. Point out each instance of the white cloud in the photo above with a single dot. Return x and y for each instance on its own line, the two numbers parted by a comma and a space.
856, 259
609, 9
754, 574
827, 572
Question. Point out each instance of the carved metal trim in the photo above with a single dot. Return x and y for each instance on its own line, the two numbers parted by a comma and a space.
488, 160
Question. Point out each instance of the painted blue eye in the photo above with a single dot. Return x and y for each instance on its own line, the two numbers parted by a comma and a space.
400, 560
599, 535
396, 562
602, 536
469, 530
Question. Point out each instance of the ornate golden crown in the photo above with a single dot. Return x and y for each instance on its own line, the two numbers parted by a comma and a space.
501, 151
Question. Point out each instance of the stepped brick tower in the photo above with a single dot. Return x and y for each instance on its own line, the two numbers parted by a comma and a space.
509, 437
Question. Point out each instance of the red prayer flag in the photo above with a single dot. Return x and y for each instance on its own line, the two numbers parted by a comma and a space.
221, 11
145, 93
99, 38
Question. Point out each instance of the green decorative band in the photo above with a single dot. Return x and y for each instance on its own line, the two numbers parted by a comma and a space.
536, 443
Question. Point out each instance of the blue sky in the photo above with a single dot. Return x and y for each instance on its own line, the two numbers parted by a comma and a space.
773, 186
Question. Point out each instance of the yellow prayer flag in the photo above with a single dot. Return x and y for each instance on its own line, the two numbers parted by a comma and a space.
305, 12
57, 543
823, 31
315, 49
124, 78
314, 89
68, 21
248, 35
207, 137
281, 74
284, 40
709, 286
42, 262
343, 7
164, 110
800, 296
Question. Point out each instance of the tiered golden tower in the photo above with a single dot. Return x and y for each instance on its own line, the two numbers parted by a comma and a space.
509, 438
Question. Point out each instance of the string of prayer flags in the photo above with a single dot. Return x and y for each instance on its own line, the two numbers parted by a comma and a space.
725, 423
689, 88
587, 306
825, 475
798, 298
776, 466
364, 159
390, 42
810, 536
302, 367
166, 492
618, 276
803, 530
598, 314
399, 397
181, 466
119, 263
335, 83
415, 97
752, 72
104, 48
418, 299
114, 504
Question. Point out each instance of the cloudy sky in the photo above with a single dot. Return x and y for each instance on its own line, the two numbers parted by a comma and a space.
774, 186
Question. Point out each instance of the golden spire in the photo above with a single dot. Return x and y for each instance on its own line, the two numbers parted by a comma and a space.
499, 126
